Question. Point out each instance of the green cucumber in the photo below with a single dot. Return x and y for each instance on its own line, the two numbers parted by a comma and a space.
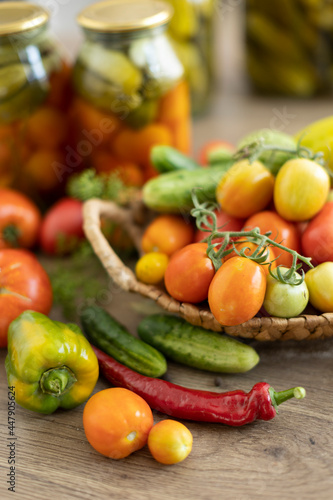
111, 337
172, 192
168, 159
194, 346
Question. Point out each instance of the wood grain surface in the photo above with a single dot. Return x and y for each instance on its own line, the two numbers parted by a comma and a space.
287, 458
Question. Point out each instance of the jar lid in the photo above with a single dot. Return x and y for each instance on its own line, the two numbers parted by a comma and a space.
125, 15
16, 17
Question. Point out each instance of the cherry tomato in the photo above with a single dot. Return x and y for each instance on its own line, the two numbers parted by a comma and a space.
250, 248
245, 189
24, 285
301, 189
151, 267
189, 274
62, 227
211, 147
170, 442
320, 284
167, 234
20, 220
317, 239
284, 300
223, 219
237, 291
117, 422
283, 232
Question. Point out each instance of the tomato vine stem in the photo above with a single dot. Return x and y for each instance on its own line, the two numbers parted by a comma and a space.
206, 220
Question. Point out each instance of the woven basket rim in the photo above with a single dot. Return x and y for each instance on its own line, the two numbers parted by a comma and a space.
131, 218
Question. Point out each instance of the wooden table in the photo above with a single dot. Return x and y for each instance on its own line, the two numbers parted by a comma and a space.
288, 457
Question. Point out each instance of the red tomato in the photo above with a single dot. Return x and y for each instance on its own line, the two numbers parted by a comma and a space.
62, 227
189, 274
24, 285
283, 232
211, 146
20, 220
317, 239
223, 219
237, 291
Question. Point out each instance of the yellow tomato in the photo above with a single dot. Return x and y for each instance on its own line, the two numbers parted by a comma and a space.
170, 442
301, 189
245, 189
151, 267
320, 284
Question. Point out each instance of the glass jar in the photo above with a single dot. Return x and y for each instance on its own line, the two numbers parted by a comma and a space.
289, 48
34, 99
191, 30
129, 86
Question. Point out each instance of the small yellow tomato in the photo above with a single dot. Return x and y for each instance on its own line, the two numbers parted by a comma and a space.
170, 442
245, 189
301, 189
320, 284
151, 267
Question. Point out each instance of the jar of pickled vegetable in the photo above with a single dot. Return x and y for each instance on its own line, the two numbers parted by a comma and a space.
130, 89
34, 99
289, 46
191, 30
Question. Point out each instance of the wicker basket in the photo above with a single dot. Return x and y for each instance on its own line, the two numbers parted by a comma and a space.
132, 219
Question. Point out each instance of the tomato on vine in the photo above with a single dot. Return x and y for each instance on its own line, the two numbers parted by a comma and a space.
237, 291
189, 274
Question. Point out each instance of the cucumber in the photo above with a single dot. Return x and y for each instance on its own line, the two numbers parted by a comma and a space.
172, 192
111, 337
168, 159
195, 346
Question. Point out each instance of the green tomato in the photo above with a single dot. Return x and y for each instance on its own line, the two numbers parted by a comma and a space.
285, 301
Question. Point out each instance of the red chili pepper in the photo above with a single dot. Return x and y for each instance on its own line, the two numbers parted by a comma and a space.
232, 408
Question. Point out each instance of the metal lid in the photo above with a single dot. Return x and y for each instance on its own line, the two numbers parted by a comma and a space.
16, 17
125, 15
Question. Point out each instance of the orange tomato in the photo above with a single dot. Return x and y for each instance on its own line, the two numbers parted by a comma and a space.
250, 248
20, 220
39, 169
149, 136
117, 422
47, 127
283, 232
189, 274
237, 291
124, 145
167, 234
170, 442
245, 189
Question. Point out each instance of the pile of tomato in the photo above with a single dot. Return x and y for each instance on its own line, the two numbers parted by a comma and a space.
294, 206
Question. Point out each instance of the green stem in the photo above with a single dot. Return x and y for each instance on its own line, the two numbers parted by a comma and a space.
11, 235
278, 398
57, 381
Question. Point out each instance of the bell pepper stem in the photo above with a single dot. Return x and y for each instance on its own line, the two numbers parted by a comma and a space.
278, 398
57, 381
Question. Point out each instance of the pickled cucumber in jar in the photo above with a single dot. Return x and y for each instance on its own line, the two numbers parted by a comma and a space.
191, 30
130, 89
288, 49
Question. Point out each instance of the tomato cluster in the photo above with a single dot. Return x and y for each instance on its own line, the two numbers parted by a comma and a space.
293, 207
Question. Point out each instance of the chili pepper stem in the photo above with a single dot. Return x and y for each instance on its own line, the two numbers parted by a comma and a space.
278, 398
57, 381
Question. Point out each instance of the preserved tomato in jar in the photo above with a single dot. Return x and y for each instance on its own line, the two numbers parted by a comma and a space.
34, 102
129, 86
